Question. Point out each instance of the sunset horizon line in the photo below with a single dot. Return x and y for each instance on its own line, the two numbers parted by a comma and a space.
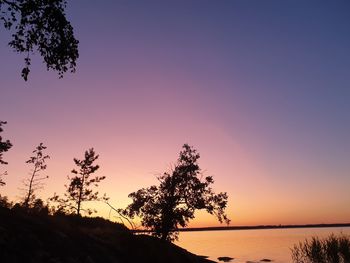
253, 227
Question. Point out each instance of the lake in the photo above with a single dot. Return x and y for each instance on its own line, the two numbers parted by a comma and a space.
251, 245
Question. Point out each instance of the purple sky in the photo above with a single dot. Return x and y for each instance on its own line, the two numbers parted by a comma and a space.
260, 88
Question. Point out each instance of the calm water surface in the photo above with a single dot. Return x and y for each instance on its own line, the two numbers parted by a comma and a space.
251, 245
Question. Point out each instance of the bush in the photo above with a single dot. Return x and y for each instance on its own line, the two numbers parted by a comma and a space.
4, 202
333, 249
35, 207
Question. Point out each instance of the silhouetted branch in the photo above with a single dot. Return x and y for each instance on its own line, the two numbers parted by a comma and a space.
41, 26
118, 211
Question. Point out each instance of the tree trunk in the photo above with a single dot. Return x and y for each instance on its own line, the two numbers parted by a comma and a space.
26, 202
80, 194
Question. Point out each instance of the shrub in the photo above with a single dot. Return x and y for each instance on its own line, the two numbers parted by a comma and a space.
333, 249
4, 202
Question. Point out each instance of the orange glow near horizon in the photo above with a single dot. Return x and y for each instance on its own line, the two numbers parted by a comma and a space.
236, 81
244, 208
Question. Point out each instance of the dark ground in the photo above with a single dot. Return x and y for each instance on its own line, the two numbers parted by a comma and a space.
70, 239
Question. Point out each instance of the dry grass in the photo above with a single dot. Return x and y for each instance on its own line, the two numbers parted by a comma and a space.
333, 249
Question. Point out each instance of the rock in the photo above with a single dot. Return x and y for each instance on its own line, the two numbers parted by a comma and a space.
266, 260
225, 259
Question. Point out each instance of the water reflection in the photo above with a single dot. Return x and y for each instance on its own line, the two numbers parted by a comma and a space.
251, 245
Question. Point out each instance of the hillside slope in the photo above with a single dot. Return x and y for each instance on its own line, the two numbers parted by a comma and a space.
68, 239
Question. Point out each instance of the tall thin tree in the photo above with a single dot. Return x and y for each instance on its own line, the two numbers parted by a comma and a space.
35, 180
80, 188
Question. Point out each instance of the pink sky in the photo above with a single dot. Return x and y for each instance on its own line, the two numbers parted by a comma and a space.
267, 109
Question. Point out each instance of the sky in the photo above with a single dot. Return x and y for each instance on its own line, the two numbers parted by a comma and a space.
260, 88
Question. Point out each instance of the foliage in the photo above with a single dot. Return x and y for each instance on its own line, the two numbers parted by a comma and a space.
333, 249
34, 182
4, 202
41, 25
36, 207
2, 183
80, 187
4, 147
173, 203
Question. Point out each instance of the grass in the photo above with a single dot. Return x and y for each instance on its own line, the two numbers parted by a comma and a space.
332, 249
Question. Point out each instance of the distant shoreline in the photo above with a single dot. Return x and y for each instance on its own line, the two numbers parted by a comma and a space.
222, 228
219, 228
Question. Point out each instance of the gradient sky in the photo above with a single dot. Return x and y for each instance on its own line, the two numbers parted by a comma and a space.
260, 88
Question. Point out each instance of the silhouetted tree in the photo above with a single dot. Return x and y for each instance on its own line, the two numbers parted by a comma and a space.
38, 207
4, 147
4, 202
80, 187
35, 180
173, 203
41, 25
